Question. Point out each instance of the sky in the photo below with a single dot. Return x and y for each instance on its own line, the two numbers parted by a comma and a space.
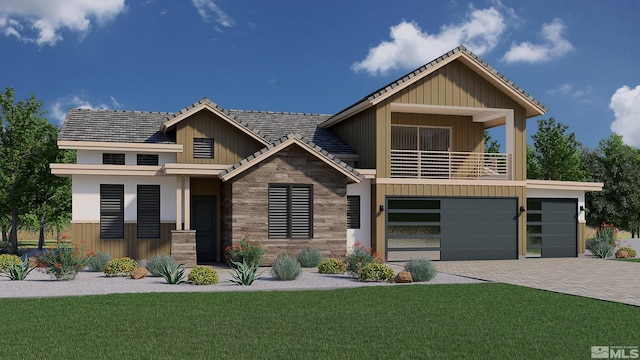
577, 57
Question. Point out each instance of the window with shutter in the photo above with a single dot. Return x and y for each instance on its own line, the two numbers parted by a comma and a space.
148, 159
112, 159
202, 148
353, 212
290, 211
111, 211
148, 211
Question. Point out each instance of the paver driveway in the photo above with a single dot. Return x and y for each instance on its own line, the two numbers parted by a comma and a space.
595, 278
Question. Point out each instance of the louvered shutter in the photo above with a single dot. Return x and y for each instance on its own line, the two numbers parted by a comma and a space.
147, 159
278, 211
148, 211
353, 212
202, 148
112, 159
111, 211
301, 212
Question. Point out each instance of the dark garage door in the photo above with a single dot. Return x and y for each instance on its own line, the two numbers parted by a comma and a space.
452, 228
552, 228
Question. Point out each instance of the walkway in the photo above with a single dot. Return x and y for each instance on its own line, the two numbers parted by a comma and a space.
610, 280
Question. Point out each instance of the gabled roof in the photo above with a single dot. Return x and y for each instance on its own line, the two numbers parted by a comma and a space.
284, 142
115, 126
532, 106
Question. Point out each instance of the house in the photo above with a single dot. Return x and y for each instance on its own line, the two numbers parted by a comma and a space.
402, 171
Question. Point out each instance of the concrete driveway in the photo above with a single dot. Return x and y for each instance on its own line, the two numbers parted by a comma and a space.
610, 280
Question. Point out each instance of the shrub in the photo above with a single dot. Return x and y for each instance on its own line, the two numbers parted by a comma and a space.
376, 272
172, 273
8, 260
98, 261
602, 249
6, 247
120, 267
331, 266
285, 268
421, 269
358, 258
309, 258
63, 261
156, 263
18, 271
249, 251
632, 253
203, 275
243, 273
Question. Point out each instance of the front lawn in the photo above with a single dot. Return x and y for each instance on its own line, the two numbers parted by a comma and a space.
628, 259
496, 321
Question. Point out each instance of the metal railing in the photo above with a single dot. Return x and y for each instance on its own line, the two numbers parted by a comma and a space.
450, 165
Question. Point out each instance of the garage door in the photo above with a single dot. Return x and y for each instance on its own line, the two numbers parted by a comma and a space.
451, 228
552, 228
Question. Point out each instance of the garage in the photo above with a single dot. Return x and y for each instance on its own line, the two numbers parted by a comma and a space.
458, 228
552, 228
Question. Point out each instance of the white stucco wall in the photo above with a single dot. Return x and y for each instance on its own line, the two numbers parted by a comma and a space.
561, 194
363, 235
130, 158
86, 196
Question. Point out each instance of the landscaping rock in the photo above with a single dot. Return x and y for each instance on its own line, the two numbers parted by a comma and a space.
621, 254
33, 261
139, 273
404, 277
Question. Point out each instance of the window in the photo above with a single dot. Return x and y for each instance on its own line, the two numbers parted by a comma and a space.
290, 211
111, 211
353, 212
147, 159
148, 211
112, 159
202, 148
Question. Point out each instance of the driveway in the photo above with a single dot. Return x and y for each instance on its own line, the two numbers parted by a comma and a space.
610, 280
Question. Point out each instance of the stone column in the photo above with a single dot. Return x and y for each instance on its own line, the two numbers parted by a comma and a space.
183, 247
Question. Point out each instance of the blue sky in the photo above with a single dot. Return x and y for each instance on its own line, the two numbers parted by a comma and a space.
579, 58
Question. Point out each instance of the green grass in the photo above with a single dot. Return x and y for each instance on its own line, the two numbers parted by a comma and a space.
628, 259
495, 321
31, 243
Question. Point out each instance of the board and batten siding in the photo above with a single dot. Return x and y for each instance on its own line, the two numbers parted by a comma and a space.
359, 131
230, 144
87, 235
381, 191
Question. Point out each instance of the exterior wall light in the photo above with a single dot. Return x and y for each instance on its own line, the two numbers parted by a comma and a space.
522, 209
381, 208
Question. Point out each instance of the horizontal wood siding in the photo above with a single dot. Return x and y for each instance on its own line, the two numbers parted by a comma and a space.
230, 144
88, 236
381, 191
465, 134
359, 131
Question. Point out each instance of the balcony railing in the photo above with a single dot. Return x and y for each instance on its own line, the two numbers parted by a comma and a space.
450, 165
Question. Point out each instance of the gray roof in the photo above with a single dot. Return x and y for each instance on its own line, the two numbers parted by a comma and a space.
385, 89
319, 150
115, 126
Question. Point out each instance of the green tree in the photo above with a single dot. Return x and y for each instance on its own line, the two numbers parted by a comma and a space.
24, 141
555, 155
618, 166
490, 146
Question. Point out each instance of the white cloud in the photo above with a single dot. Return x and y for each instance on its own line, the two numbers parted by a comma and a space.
410, 47
59, 108
625, 104
554, 46
208, 7
40, 22
583, 95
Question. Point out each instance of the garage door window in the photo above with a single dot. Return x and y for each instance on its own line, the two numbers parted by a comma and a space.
413, 228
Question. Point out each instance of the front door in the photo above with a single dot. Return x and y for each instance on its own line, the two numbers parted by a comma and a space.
203, 221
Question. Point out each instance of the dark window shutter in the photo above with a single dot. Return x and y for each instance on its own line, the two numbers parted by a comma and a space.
112, 159
301, 212
148, 159
148, 211
111, 211
353, 212
202, 148
278, 211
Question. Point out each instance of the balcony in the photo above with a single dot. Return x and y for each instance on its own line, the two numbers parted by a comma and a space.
450, 165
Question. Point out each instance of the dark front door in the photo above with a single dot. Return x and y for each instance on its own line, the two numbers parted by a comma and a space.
203, 221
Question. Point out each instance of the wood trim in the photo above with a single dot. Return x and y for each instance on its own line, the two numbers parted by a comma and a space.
403, 181
564, 185
99, 169
194, 169
367, 173
117, 146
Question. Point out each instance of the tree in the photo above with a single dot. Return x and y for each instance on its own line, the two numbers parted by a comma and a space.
490, 146
23, 145
618, 166
555, 155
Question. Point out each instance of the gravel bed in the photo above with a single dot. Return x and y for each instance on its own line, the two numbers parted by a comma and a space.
39, 284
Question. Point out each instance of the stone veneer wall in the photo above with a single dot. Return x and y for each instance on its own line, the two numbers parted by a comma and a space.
249, 194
